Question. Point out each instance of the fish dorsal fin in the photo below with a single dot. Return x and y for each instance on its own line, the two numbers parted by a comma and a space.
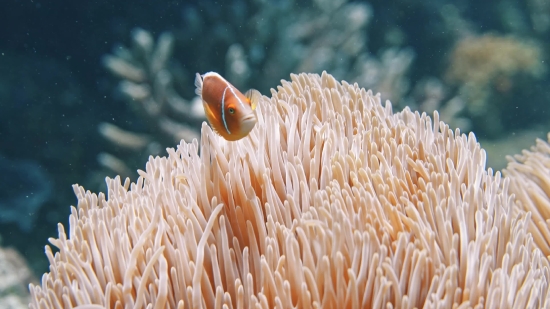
198, 85
253, 97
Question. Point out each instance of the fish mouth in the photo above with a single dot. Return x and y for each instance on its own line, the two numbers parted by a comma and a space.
248, 122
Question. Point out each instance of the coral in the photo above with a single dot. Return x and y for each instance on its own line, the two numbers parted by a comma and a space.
147, 84
333, 200
486, 59
487, 65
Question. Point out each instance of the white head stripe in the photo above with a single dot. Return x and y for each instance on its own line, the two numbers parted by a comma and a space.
223, 110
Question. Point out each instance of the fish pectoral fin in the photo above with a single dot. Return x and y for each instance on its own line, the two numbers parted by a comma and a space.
215, 131
253, 96
215, 128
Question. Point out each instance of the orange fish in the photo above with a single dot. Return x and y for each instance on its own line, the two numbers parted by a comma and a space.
229, 112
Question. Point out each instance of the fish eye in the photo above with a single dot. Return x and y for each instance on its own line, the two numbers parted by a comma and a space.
231, 110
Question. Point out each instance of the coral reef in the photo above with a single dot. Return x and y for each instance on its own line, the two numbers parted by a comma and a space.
332, 200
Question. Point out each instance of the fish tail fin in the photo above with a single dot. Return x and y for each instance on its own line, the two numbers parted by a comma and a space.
253, 96
198, 85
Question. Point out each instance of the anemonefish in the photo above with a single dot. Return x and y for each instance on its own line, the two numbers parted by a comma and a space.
229, 112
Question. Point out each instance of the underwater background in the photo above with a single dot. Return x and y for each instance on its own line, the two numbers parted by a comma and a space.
89, 90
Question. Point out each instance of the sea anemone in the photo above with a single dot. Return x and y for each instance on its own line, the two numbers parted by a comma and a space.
332, 201
529, 175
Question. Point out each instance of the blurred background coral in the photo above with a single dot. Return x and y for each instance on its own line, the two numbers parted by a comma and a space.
91, 89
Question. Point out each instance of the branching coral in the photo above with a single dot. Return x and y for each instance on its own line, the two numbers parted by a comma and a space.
332, 201
147, 83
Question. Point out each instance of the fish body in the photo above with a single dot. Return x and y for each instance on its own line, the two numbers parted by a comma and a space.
229, 112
